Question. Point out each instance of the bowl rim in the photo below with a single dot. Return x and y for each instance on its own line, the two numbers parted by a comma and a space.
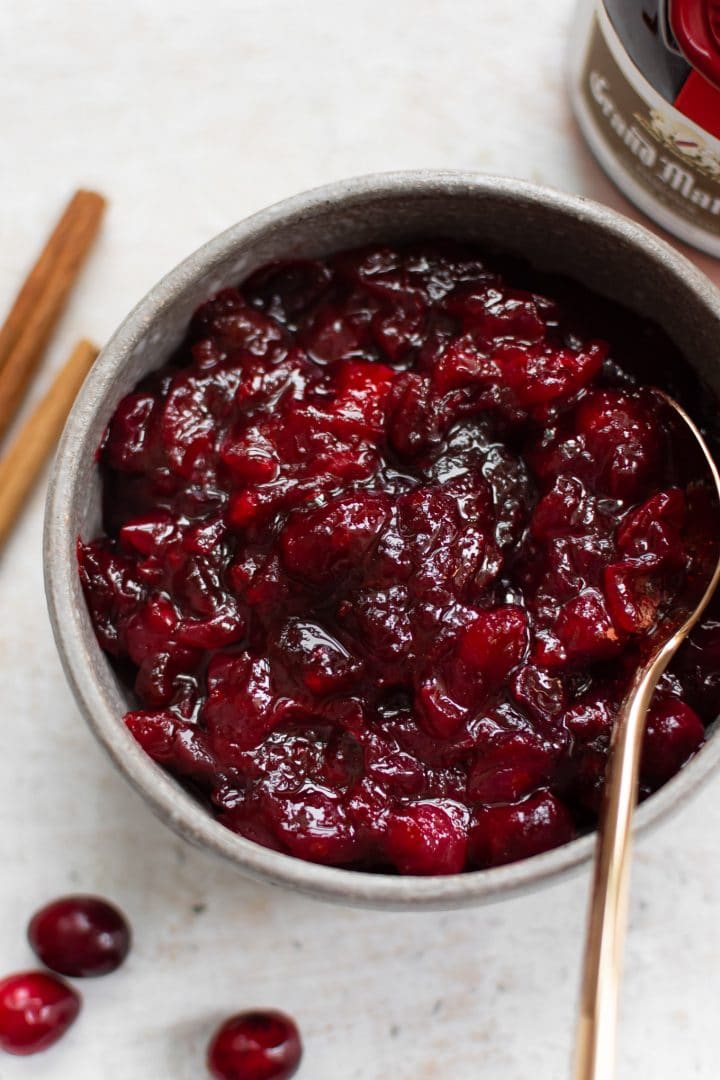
176, 807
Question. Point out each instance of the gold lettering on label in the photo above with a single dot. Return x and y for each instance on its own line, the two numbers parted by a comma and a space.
598, 86
676, 177
636, 143
642, 149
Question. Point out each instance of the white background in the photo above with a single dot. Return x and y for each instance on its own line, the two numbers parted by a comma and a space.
190, 116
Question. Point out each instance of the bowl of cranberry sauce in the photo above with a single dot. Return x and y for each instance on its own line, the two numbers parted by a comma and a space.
361, 524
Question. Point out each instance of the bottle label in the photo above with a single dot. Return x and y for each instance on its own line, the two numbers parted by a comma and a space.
668, 155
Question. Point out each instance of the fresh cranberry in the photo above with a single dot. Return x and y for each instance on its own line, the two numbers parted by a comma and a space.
255, 1046
80, 936
384, 541
36, 1009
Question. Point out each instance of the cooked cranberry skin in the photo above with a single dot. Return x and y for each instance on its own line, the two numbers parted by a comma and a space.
384, 542
80, 936
428, 838
36, 1009
255, 1046
673, 733
494, 644
506, 833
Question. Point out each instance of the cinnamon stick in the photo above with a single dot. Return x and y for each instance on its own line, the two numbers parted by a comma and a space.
41, 300
23, 461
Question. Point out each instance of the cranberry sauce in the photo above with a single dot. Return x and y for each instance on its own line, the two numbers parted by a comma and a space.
383, 543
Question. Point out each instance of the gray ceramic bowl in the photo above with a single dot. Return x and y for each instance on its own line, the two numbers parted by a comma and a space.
557, 232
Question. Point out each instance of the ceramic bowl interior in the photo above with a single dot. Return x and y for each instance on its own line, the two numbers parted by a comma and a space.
558, 233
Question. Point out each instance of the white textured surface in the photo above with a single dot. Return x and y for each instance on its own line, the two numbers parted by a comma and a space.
189, 117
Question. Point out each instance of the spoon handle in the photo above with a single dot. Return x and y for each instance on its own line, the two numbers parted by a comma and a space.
607, 917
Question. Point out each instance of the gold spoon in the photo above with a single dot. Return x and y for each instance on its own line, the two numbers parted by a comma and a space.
597, 1022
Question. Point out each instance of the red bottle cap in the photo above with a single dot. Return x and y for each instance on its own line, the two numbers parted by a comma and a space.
696, 27
699, 100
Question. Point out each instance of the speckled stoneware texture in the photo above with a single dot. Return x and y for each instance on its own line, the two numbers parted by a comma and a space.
556, 232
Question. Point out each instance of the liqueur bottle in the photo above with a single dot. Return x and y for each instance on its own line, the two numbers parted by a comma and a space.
645, 86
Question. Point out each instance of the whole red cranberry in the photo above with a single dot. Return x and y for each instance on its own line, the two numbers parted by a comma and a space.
36, 1009
255, 1046
80, 936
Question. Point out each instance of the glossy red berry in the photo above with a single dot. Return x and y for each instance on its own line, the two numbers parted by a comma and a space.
80, 936
36, 1009
674, 732
505, 833
428, 838
255, 1046
495, 643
